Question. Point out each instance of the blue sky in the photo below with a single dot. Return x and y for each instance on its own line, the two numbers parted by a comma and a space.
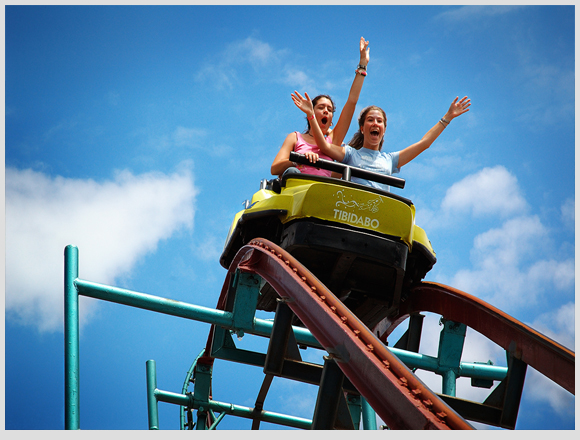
136, 133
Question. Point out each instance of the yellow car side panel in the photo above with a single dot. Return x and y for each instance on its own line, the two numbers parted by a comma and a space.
338, 204
419, 236
233, 227
360, 208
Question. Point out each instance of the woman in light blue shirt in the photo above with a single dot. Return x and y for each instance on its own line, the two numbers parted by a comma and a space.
364, 149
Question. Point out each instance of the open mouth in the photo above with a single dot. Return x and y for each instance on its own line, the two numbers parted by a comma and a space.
324, 120
375, 132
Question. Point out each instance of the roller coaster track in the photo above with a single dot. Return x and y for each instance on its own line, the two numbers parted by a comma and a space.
553, 360
396, 394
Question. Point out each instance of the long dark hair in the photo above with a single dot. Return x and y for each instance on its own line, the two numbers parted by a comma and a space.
314, 101
358, 138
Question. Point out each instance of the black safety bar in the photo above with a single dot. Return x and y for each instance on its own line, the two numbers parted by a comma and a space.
348, 171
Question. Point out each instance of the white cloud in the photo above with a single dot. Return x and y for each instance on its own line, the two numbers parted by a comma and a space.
62, 126
568, 210
299, 80
508, 244
252, 50
550, 87
475, 12
114, 223
210, 248
558, 325
541, 389
489, 192
188, 137
265, 60
223, 69
508, 269
550, 274
514, 265
181, 138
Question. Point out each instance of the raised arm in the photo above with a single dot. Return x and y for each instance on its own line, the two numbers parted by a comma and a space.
331, 150
411, 152
343, 124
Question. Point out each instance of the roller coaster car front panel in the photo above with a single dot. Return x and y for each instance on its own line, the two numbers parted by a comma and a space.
361, 243
362, 269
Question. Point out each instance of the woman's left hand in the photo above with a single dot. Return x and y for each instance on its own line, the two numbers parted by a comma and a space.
458, 108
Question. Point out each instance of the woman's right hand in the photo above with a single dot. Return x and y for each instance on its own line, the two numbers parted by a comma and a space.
364, 52
304, 104
311, 156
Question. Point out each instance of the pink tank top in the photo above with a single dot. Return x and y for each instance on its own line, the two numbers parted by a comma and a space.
302, 147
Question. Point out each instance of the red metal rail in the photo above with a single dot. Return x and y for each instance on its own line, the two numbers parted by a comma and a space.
535, 349
401, 399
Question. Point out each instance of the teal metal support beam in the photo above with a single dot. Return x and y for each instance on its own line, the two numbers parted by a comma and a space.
449, 382
73, 287
201, 394
482, 371
369, 416
265, 416
260, 327
152, 407
71, 336
175, 398
247, 286
451, 344
235, 410
263, 327
200, 402
154, 303
217, 421
466, 369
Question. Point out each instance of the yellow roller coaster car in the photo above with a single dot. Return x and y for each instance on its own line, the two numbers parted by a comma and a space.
361, 242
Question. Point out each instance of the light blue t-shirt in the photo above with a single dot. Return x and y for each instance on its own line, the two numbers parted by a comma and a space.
372, 160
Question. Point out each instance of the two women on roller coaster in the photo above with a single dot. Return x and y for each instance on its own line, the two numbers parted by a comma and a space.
365, 148
323, 109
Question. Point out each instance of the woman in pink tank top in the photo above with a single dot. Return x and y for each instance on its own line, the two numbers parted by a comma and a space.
303, 147
323, 112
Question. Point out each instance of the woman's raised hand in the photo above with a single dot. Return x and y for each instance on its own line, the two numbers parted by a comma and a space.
304, 104
458, 108
364, 52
